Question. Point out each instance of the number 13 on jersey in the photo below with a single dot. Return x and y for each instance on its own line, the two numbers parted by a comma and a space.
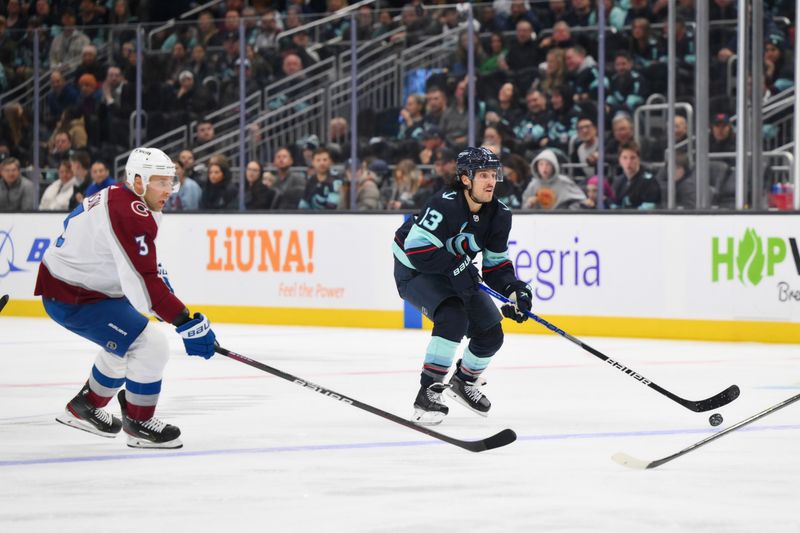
431, 219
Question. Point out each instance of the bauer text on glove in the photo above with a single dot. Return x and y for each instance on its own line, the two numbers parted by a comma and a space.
198, 337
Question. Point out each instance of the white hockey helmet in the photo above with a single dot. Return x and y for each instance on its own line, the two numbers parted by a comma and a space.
146, 162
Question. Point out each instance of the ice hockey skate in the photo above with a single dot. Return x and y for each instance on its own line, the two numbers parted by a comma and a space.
80, 414
429, 409
151, 433
469, 394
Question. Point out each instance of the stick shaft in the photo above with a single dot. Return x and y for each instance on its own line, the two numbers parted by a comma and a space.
501, 439
714, 402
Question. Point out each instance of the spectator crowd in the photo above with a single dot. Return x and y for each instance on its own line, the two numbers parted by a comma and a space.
536, 85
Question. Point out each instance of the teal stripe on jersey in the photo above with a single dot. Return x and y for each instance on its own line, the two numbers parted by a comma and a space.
441, 352
419, 237
491, 258
473, 363
401, 256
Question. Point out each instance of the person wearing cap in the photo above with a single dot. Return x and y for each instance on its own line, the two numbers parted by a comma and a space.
230, 91
89, 105
779, 73
432, 140
192, 101
90, 65
723, 138
592, 188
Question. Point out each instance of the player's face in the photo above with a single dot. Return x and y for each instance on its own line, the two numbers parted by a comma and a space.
158, 191
483, 184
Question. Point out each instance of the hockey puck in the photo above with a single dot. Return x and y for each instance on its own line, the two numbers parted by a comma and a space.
715, 419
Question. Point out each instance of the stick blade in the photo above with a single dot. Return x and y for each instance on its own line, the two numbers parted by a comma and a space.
505, 437
3, 301
715, 402
631, 462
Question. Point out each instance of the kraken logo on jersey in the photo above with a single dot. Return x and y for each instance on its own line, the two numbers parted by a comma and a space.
462, 244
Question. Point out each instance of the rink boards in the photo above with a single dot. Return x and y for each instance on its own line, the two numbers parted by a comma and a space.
712, 277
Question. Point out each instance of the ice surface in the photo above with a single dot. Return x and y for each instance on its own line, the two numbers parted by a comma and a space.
263, 454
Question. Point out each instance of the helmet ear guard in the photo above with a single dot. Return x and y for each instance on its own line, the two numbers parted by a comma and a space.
147, 162
471, 160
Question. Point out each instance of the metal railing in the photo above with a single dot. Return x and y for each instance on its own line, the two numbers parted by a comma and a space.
724, 194
647, 116
171, 143
183, 16
283, 126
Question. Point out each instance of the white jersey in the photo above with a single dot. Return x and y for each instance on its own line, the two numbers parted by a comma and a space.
107, 251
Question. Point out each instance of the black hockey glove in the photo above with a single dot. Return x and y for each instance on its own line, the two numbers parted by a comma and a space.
465, 276
521, 298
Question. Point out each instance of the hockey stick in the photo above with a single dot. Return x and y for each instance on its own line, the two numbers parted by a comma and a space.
632, 462
3, 301
723, 398
507, 436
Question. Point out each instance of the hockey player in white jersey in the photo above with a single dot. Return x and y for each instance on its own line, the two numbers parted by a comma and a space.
99, 279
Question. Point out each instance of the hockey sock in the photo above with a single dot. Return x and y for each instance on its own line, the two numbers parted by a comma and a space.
472, 366
449, 326
147, 358
438, 358
108, 375
142, 399
479, 353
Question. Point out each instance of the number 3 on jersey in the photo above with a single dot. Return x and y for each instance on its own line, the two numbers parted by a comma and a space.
143, 248
431, 219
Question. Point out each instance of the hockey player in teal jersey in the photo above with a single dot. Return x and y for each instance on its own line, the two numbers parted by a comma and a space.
434, 272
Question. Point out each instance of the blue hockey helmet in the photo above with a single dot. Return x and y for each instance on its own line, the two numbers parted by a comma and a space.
473, 159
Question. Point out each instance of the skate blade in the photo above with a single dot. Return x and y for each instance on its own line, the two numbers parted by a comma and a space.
427, 418
68, 419
136, 442
460, 400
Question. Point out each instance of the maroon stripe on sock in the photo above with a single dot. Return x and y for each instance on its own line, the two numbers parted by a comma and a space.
435, 368
469, 371
141, 412
96, 400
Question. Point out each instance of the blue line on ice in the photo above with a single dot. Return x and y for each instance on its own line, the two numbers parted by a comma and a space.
359, 445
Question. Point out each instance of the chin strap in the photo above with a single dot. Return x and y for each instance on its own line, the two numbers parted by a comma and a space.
469, 191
